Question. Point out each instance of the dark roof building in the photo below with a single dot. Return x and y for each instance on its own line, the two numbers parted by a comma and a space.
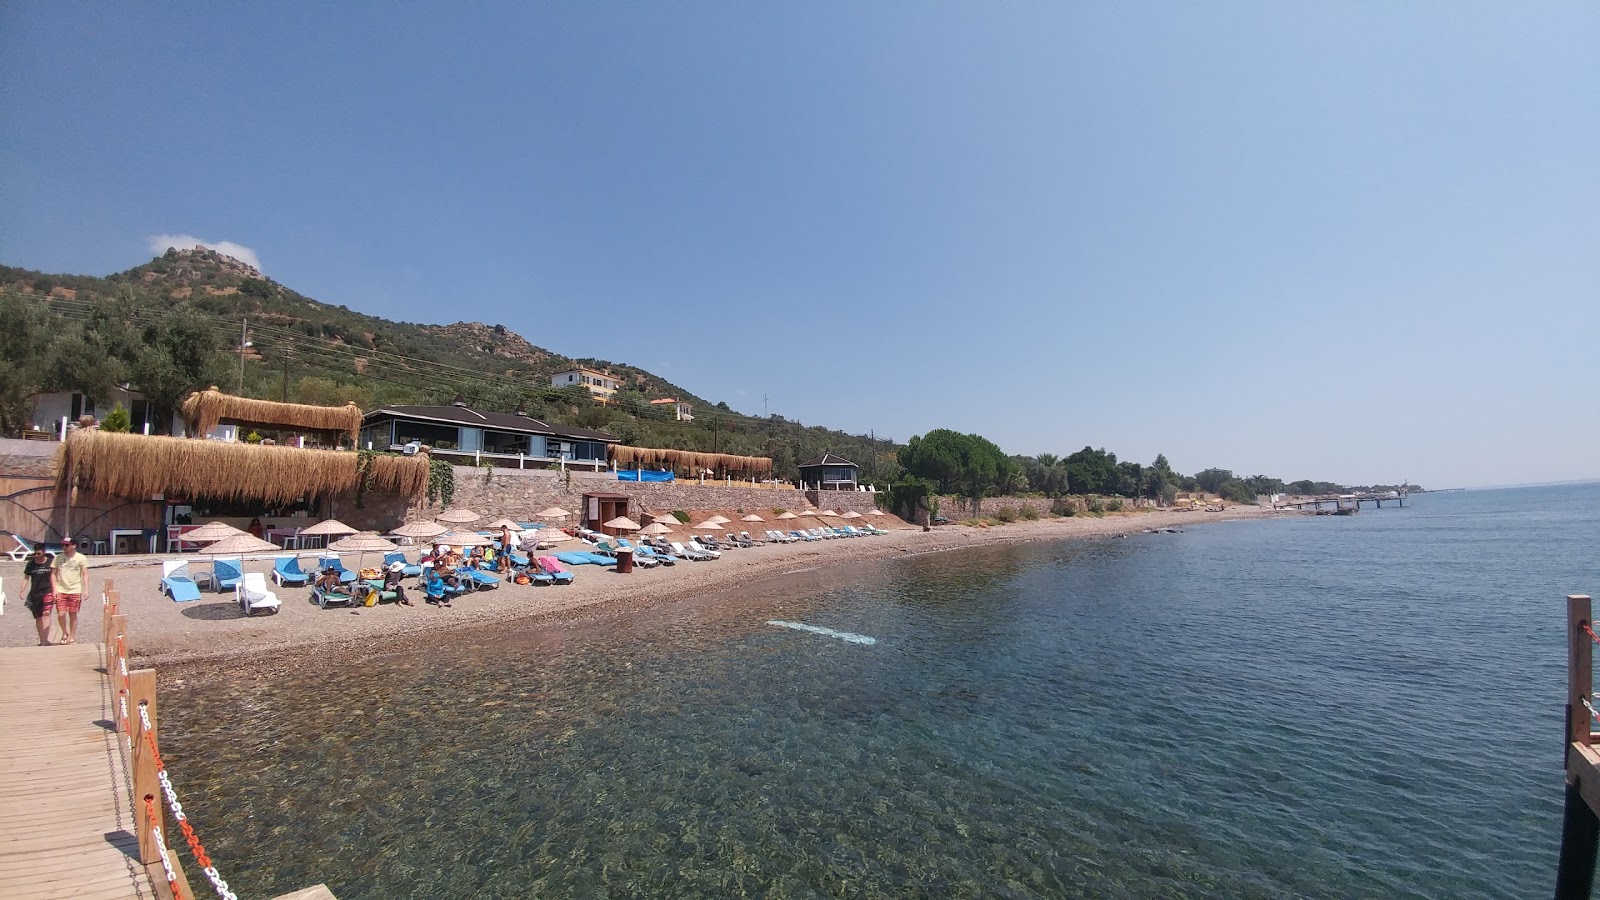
461, 431
829, 473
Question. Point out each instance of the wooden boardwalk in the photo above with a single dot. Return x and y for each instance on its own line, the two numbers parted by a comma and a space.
66, 820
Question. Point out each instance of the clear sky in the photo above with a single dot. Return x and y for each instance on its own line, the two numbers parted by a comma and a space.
1336, 240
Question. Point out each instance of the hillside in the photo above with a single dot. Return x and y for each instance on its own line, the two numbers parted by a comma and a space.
306, 350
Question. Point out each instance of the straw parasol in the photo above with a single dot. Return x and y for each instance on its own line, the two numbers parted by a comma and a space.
828, 512
551, 536
655, 528
852, 514
240, 544
458, 516
752, 518
623, 523
720, 520
363, 543
787, 515
211, 531
500, 523
708, 525
811, 512
462, 539
554, 512
877, 512
419, 530
325, 528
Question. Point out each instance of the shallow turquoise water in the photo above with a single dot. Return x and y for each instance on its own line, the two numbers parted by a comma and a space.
1333, 707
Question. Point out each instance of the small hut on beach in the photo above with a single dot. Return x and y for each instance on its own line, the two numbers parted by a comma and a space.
205, 410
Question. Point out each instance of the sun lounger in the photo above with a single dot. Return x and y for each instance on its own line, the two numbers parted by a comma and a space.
176, 583
24, 549
479, 580
226, 573
554, 569
803, 536
412, 571
286, 570
332, 597
645, 551
371, 592
691, 553
754, 542
695, 544
253, 596
333, 562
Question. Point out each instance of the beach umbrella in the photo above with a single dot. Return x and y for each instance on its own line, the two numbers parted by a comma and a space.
623, 523
462, 539
655, 528
326, 528
852, 514
877, 512
240, 544
363, 543
554, 512
811, 512
708, 525
787, 515
419, 530
458, 517
752, 518
552, 536
498, 524
720, 520
828, 512
211, 531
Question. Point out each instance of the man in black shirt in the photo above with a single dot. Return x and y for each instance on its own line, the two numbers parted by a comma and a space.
37, 571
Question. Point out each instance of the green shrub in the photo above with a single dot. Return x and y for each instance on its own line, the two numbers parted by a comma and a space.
1114, 504
117, 420
1006, 514
254, 437
1095, 507
681, 516
1064, 508
778, 512
1030, 512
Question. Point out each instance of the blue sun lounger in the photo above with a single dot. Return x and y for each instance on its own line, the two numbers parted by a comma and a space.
480, 581
286, 571
176, 583
226, 573
411, 571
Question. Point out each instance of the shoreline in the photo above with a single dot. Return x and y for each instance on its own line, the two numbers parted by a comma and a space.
210, 634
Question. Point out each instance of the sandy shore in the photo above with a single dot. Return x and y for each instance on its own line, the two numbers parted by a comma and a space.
213, 631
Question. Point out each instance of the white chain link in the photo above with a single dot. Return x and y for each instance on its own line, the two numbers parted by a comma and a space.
127, 731
166, 861
217, 884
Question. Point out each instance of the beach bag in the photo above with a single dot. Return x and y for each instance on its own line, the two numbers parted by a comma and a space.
522, 578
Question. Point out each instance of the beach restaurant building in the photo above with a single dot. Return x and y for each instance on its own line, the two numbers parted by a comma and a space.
462, 435
829, 473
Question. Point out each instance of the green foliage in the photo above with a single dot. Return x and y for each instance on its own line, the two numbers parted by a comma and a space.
1029, 512
778, 512
441, 482
1095, 506
1007, 514
117, 420
254, 437
965, 464
681, 516
1064, 508
1114, 504
1212, 480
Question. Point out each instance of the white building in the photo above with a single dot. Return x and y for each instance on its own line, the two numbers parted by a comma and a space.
679, 407
599, 383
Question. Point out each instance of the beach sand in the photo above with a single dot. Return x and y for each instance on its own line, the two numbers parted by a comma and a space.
213, 632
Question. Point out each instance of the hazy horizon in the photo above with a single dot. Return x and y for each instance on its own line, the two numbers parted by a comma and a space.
1351, 243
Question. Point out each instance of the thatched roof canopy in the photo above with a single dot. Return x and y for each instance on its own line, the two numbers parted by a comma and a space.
139, 467
626, 457
205, 410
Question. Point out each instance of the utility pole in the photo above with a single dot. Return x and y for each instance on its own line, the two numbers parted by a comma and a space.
244, 333
285, 396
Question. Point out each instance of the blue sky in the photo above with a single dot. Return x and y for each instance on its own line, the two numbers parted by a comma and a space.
1345, 241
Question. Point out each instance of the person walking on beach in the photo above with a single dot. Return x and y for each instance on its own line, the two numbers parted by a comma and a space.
39, 602
69, 576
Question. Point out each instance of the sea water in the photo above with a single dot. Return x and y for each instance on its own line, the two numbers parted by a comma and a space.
1365, 706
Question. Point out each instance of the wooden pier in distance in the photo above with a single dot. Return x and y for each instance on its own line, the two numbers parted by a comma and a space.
1343, 504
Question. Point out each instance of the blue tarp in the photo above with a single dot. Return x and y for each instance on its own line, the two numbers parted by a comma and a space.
644, 475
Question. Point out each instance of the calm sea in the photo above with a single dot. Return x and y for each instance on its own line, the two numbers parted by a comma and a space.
1365, 706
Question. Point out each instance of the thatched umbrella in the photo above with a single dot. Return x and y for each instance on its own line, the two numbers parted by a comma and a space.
240, 544
708, 525
852, 514
752, 518
623, 523
458, 516
498, 524
877, 512
463, 539
211, 531
419, 530
363, 543
326, 528
551, 536
787, 515
720, 520
655, 528
828, 512
554, 512
810, 512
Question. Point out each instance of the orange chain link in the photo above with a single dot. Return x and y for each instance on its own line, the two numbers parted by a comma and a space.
161, 845
1590, 632
200, 855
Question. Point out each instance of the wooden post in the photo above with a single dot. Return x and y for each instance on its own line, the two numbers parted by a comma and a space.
111, 607
145, 783
117, 644
1580, 827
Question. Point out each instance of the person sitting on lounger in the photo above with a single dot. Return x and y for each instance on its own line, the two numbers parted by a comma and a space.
391, 582
328, 581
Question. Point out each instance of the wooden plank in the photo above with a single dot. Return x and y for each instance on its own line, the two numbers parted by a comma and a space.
66, 821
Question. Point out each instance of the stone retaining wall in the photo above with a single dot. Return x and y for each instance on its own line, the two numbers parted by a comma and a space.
842, 501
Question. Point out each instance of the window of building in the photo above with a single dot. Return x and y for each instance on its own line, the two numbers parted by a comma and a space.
505, 442
441, 437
